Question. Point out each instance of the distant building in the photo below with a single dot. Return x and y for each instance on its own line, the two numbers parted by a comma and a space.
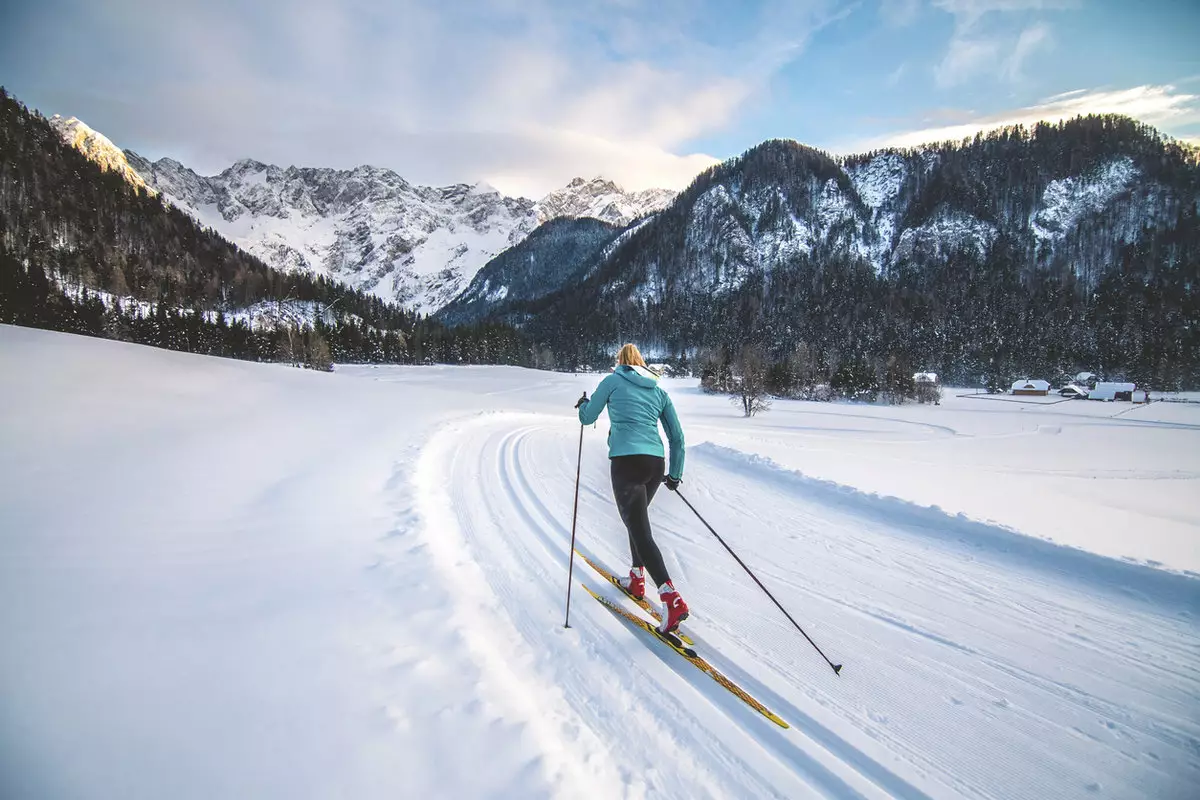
1031, 387
929, 390
1074, 391
1086, 379
1109, 390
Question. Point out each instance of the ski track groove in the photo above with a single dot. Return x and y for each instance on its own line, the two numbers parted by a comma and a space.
505, 464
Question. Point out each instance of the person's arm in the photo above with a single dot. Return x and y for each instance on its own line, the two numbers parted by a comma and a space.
589, 412
670, 423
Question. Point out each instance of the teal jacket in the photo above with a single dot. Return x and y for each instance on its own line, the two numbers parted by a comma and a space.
636, 404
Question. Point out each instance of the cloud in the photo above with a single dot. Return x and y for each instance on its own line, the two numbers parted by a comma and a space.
966, 58
970, 12
894, 77
524, 93
1162, 106
1035, 37
900, 12
997, 48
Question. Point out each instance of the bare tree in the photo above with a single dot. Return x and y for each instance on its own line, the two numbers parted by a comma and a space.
750, 381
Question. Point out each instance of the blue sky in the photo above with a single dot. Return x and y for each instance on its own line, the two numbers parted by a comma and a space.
526, 94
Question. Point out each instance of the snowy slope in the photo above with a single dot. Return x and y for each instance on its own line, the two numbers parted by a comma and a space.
97, 147
218, 588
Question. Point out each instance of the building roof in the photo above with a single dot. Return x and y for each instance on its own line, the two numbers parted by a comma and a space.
1027, 383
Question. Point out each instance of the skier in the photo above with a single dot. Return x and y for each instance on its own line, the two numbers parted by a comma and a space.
636, 405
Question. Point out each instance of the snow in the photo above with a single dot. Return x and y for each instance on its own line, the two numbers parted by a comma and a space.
1068, 200
879, 179
232, 579
945, 231
602, 199
97, 147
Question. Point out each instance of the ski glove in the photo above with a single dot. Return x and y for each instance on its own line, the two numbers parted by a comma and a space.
582, 400
672, 483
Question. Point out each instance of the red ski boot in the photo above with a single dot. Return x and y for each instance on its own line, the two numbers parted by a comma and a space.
676, 609
635, 584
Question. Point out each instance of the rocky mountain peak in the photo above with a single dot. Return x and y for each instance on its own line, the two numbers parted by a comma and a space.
97, 147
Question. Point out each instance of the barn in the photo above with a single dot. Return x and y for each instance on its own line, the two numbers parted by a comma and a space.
1025, 386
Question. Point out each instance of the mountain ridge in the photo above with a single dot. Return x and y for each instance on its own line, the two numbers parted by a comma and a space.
366, 226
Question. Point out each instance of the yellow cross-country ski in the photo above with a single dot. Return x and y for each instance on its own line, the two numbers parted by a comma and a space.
643, 603
689, 654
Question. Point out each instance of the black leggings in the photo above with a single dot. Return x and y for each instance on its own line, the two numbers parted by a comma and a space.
635, 479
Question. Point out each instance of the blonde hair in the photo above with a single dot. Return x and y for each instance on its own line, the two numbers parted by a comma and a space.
630, 356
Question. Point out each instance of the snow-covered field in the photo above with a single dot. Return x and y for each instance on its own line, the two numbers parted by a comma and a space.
221, 579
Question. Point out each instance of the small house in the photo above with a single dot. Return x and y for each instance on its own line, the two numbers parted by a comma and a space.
1111, 390
928, 388
1031, 387
1086, 379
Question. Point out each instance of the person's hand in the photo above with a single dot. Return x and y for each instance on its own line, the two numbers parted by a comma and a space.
581, 400
672, 483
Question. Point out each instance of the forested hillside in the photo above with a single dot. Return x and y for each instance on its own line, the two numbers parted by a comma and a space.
1022, 252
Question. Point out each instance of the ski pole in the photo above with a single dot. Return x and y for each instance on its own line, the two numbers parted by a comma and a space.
574, 516
837, 668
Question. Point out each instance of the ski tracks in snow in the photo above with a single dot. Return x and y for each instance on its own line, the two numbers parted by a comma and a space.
973, 669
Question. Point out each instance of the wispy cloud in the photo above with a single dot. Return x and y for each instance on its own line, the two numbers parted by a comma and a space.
895, 76
1034, 38
900, 12
1162, 106
984, 46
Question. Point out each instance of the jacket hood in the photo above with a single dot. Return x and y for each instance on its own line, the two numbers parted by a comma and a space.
638, 376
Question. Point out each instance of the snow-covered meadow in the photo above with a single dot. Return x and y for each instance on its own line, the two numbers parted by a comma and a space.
221, 579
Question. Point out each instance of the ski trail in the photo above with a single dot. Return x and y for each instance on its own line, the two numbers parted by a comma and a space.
975, 658
664, 722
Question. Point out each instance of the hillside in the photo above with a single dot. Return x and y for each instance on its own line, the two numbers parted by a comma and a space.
1023, 251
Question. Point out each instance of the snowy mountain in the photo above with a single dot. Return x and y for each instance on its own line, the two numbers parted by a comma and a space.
602, 199
97, 147
368, 227
557, 254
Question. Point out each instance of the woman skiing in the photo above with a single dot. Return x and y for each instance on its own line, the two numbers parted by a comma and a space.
636, 405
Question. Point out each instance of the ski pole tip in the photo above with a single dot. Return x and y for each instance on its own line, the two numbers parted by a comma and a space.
837, 669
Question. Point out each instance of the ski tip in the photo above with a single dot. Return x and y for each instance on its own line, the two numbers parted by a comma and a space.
837, 669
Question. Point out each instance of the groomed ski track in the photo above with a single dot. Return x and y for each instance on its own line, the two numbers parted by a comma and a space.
978, 663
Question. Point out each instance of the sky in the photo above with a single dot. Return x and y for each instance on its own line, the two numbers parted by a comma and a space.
527, 94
